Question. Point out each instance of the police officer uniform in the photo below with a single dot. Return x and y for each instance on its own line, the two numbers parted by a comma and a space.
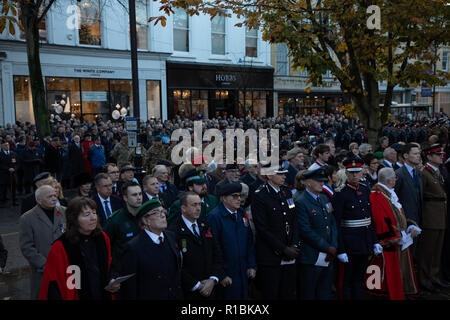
356, 234
276, 229
318, 232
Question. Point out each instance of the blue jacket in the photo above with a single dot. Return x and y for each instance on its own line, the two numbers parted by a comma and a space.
317, 226
235, 239
97, 156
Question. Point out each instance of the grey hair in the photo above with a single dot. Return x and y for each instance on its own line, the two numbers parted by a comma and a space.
385, 174
39, 191
387, 152
364, 147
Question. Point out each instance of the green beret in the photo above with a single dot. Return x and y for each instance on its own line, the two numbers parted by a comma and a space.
146, 207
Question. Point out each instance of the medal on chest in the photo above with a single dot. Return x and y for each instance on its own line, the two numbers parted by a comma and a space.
183, 245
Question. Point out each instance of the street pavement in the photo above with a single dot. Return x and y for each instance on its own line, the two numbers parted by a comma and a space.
15, 281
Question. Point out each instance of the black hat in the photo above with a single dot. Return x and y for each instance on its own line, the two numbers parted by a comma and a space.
194, 176
82, 178
229, 188
433, 149
157, 138
166, 163
397, 147
231, 166
127, 167
41, 176
124, 134
317, 174
353, 164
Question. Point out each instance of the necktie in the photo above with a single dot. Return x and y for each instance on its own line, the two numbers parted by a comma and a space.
416, 179
107, 210
194, 227
160, 239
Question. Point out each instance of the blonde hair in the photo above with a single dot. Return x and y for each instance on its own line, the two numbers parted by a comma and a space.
342, 179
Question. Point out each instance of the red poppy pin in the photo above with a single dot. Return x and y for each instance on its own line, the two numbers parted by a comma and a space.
208, 234
358, 193
314, 211
58, 213
245, 219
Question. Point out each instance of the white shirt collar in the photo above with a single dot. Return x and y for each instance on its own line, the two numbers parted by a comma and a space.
273, 187
432, 167
150, 197
189, 224
101, 198
409, 168
154, 237
229, 210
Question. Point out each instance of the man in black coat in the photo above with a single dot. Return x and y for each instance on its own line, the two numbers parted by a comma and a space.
106, 202
202, 260
30, 200
168, 191
295, 158
52, 158
153, 257
277, 236
8, 163
32, 161
76, 159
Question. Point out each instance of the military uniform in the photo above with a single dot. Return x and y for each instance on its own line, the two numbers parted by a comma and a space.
434, 214
153, 154
356, 234
120, 227
122, 154
276, 229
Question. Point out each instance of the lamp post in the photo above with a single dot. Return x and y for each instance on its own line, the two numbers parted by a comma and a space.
134, 59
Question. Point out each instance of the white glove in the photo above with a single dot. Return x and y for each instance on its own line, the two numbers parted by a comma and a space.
342, 257
377, 249
413, 227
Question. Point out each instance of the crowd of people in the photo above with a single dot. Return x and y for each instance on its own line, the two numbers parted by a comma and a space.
314, 226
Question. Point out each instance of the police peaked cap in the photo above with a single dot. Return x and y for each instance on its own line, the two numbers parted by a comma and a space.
317, 174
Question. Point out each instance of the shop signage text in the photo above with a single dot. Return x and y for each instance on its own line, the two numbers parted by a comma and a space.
92, 71
225, 78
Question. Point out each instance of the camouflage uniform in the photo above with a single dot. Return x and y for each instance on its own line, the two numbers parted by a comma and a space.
153, 154
122, 153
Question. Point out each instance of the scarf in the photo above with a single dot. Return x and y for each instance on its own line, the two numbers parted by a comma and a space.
394, 197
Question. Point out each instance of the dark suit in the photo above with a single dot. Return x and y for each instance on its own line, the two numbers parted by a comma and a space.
169, 195
76, 159
290, 177
276, 228
115, 202
410, 194
157, 268
202, 258
7, 162
318, 231
248, 179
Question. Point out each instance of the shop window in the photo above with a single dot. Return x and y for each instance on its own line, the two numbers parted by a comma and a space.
22, 99
191, 103
153, 99
141, 24
445, 60
282, 62
180, 30
90, 22
94, 98
218, 35
63, 97
251, 42
200, 104
121, 97
259, 103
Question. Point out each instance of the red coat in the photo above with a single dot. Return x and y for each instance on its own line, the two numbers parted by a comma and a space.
56, 267
387, 229
87, 163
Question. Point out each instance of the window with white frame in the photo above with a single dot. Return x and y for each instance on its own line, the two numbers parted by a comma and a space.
180, 30
218, 35
445, 60
90, 22
141, 24
282, 61
251, 42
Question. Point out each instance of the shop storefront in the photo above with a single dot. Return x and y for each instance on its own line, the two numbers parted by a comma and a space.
209, 91
292, 98
83, 83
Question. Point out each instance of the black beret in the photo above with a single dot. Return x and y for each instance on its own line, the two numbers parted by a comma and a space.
317, 174
41, 176
229, 188
157, 138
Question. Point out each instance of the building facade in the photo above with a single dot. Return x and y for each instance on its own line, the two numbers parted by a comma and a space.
86, 65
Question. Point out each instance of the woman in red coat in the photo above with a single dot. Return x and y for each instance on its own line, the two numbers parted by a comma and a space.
84, 250
397, 272
86, 144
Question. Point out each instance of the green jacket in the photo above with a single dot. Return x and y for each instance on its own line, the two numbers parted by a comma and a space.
120, 227
208, 204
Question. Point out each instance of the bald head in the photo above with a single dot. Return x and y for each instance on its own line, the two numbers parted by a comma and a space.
390, 155
46, 197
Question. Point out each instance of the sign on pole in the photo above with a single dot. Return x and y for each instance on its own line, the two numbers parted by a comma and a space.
131, 125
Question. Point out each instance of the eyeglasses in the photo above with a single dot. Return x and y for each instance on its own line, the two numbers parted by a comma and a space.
158, 212
235, 196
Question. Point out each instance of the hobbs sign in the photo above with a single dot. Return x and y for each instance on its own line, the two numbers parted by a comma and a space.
225, 78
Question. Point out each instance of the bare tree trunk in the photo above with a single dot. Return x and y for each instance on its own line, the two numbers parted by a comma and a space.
29, 16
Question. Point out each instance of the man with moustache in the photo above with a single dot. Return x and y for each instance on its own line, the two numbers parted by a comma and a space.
122, 225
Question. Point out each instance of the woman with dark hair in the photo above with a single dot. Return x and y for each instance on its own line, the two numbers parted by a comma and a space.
371, 161
83, 249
